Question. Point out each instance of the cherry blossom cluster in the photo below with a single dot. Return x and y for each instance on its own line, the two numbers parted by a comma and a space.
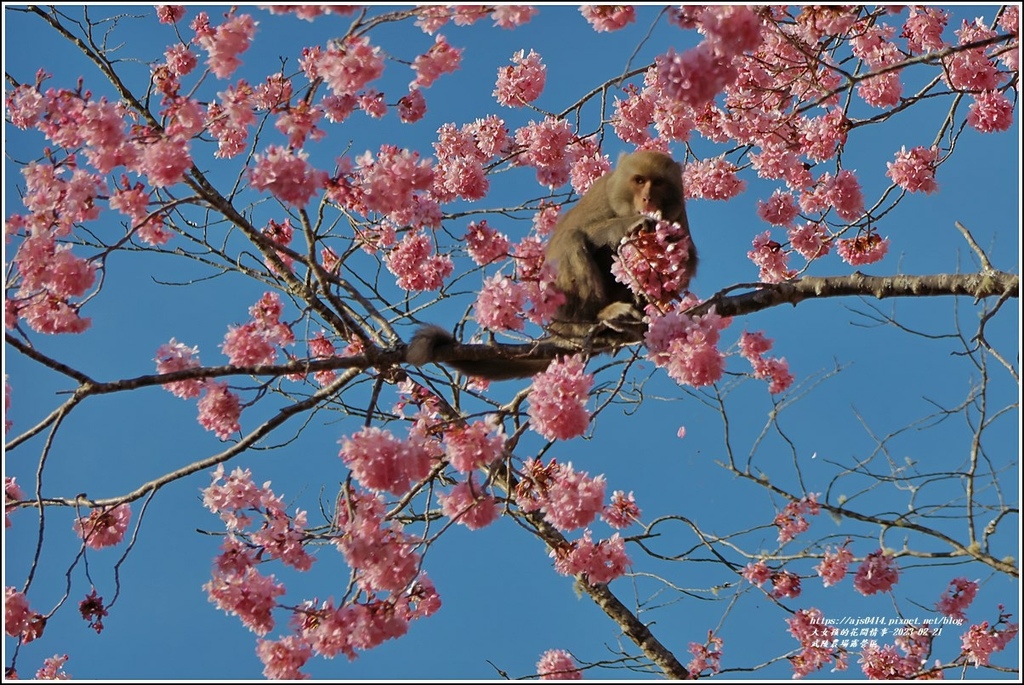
877, 573
103, 527
884, 662
914, 170
558, 398
239, 501
600, 562
12, 493
19, 620
432, 17
834, 564
382, 462
957, 597
622, 511
791, 520
416, 266
653, 263
558, 664
809, 628
93, 611
981, 640
569, 499
461, 155
504, 304
608, 17
687, 346
753, 346
470, 505
706, 657
784, 583
256, 341
521, 83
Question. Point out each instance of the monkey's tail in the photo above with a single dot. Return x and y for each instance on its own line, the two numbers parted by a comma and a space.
431, 342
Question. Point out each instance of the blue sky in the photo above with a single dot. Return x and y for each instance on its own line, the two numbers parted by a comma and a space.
502, 603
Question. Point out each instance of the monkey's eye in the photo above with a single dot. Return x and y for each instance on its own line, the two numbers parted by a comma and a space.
639, 180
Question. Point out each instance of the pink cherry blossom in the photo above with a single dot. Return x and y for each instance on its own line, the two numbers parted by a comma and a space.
511, 16
414, 265
863, 249
634, 115
390, 181
654, 264
832, 568
694, 77
180, 60
411, 107
587, 169
170, 14
17, 615
103, 527
53, 668
957, 597
12, 491
348, 69
287, 175
380, 461
484, 244
731, 29
558, 398
219, 410
573, 499
175, 356
877, 573
810, 239
883, 662
544, 147
522, 82
914, 170
224, 43
771, 259
757, 573
980, 640
600, 562
608, 17
923, 29
820, 138
440, 59
712, 179
622, 512
752, 348
779, 210
706, 657
558, 664
791, 520
299, 122
249, 595
785, 584
881, 91
469, 505
372, 102
972, 70
808, 626
687, 347
383, 557
471, 447
283, 658
991, 111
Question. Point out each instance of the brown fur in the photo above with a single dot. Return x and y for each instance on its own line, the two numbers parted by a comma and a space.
581, 248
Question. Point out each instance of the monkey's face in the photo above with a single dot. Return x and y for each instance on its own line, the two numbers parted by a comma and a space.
655, 194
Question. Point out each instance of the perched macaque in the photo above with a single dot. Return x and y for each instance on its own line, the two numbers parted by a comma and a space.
643, 185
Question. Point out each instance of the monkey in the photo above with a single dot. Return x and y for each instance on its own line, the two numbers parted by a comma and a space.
585, 240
